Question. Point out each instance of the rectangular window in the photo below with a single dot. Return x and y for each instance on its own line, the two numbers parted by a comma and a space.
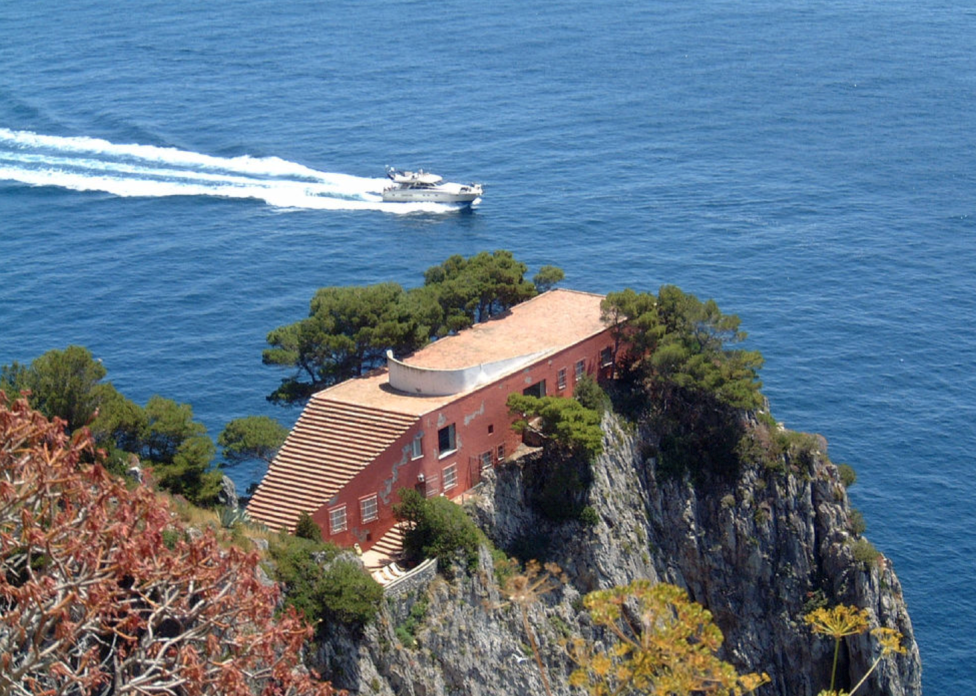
537, 390
450, 477
606, 357
561, 379
446, 441
337, 520
417, 447
501, 451
580, 369
432, 486
486, 459
368, 509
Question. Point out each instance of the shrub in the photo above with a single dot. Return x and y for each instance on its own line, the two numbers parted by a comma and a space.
558, 485
406, 632
307, 529
567, 423
322, 586
348, 594
857, 523
589, 516
437, 528
847, 475
590, 395
865, 553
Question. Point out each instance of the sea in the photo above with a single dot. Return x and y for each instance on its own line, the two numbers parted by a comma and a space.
177, 178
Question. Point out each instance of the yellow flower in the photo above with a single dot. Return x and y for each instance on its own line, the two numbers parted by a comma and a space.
838, 622
890, 641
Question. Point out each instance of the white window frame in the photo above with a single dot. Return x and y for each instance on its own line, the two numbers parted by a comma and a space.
580, 369
606, 357
561, 379
450, 476
365, 504
417, 447
336, 524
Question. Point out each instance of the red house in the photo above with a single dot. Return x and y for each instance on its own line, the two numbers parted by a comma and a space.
432, 421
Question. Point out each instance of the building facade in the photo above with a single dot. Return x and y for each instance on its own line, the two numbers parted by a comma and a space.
432, 421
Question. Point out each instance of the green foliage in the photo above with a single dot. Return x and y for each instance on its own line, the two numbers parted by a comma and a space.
252, 438
63, 384
505, 567
547, 278
437, 528
569, 424
406, 632
350, 329
68, 384
307, 529
865, 553
178, 451
347, 332
322, 586
847, 475
590, 395
589, 516
857, 524
477, 288
232, 518
693, 384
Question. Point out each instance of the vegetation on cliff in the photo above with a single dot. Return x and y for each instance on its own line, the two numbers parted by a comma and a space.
102, 590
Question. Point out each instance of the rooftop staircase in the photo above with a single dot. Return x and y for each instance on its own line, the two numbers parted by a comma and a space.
329, 445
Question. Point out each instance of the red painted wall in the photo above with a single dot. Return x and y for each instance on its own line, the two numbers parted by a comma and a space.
482, 425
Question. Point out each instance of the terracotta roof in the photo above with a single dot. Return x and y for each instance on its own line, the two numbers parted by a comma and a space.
548, 322
330, 443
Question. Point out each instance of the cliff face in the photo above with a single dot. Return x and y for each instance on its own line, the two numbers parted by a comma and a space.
759, 552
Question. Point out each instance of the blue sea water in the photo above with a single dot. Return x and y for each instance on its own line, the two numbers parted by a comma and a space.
808, 165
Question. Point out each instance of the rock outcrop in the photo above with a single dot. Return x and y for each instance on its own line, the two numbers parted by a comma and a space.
758, 551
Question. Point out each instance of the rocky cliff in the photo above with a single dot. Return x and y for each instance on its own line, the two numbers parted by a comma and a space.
759, 551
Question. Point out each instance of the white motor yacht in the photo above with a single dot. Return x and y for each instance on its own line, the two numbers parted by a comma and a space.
421, 187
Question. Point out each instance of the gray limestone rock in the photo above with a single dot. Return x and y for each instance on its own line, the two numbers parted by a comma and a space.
759, 552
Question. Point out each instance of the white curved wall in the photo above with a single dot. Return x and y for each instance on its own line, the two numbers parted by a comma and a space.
426, 381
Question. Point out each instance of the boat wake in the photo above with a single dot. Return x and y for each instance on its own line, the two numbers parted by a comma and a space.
91, 164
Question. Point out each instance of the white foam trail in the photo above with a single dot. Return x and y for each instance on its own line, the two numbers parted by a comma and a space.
129, 170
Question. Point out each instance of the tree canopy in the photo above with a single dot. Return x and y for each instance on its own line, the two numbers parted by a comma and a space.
252, 438
569, 424
93, 599
69, 385
349, 329
677, 351
679, 342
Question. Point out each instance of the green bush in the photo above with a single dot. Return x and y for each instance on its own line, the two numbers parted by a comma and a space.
589, 516
322, 587
406, 632
857, 523
865, 553
307, 529
847, 475
348, 593
590, 395
437, 528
